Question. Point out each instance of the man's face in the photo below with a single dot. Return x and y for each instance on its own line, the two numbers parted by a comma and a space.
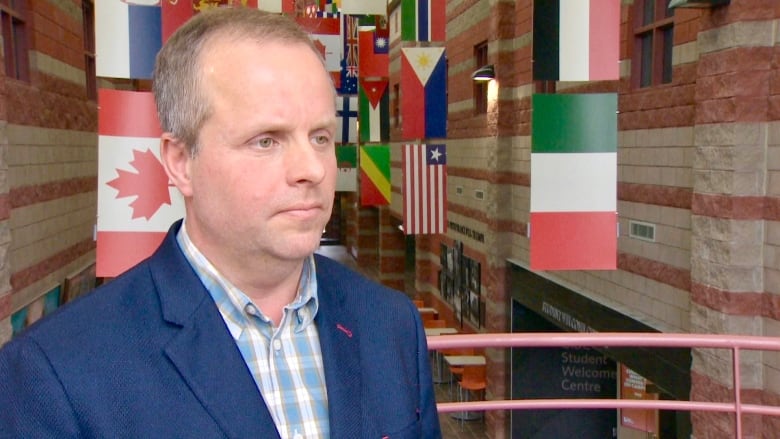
263, 181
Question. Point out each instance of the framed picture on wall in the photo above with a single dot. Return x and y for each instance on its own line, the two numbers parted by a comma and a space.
475, 276
79, 283
474, 307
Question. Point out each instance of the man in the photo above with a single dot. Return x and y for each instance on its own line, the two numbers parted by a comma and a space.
232, 328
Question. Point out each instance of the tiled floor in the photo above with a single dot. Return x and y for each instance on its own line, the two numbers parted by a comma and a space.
451, 428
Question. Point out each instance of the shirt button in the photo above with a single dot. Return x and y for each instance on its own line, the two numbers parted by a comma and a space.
251, 310
277, 344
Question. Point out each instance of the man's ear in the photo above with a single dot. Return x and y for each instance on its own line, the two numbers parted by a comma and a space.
176, 160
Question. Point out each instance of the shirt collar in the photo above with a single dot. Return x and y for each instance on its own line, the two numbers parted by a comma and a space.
232, 301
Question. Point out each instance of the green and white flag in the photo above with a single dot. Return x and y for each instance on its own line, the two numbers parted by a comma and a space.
346, 159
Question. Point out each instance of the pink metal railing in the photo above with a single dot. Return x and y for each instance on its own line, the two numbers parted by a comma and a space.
735, 343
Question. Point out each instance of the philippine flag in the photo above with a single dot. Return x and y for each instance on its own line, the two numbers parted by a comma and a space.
423, 93
136, 203
128, 35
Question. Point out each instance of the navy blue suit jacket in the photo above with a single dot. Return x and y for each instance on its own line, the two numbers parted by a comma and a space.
148, 355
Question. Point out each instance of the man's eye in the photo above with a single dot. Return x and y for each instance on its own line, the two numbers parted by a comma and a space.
265, 142
321, 140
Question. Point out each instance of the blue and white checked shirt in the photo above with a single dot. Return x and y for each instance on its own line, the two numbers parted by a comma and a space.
286, 362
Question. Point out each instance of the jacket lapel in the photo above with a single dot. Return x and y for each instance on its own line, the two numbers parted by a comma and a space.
203, 350
340, 345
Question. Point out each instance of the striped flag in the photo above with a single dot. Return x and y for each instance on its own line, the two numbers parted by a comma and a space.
374, 117
326, 33
573, 182
576, 40
364, 7
423, 20
346, 159
425, 189
375, 175
136, 204
373, 58
127, 39
347, 116
278, 6
423, 93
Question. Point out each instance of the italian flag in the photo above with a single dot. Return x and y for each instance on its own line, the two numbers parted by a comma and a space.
576, 40
573, 224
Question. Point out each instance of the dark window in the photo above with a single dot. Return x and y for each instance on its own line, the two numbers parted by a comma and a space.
88, 15
14, 27
653, 42
480, 87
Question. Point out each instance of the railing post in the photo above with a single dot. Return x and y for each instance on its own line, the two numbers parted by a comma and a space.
737, 392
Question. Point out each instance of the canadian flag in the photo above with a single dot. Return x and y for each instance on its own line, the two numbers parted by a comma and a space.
136, 202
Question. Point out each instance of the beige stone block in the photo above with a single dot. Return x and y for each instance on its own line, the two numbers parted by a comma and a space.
739, 34
772, 280
726, 277
5, 331
466, 21
773, 184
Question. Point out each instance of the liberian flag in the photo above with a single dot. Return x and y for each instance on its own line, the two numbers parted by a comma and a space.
364, 7
136, 203
423, 93
346, 119
278, 6
346, 159
425, 189
573, 182
576, 40
373, 58
375, 175
423, 20
326, 33
127, 38
374, 117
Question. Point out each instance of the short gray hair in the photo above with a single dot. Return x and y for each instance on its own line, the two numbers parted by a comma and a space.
182, 105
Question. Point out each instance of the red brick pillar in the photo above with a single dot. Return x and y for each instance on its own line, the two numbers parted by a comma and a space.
392, 252
735, 206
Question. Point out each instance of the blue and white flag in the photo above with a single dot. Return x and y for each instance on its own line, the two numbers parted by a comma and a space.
128, 36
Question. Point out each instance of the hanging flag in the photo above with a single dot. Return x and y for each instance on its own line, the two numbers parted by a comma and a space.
364, 7
174, 14
136, 203
425, 189
346, 159
127, 39
277, 6
423, 20
423, 93
573, 224
349, 63
375, 175
373, 58
576, 40
374, 117
347, 116
326, 33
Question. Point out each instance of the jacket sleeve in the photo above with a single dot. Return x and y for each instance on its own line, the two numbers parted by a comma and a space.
33, 401
429, 417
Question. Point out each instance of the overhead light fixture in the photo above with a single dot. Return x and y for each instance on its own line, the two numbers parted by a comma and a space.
702, 4
484, 73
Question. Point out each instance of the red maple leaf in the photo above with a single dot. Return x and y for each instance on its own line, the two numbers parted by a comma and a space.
149, 185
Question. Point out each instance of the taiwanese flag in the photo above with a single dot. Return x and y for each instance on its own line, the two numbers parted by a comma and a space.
326, 33
573, 182
136, 203
128, 36
374, 114
373, 58
576, 40
425, 189
423, 93
375, 175
423, 20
